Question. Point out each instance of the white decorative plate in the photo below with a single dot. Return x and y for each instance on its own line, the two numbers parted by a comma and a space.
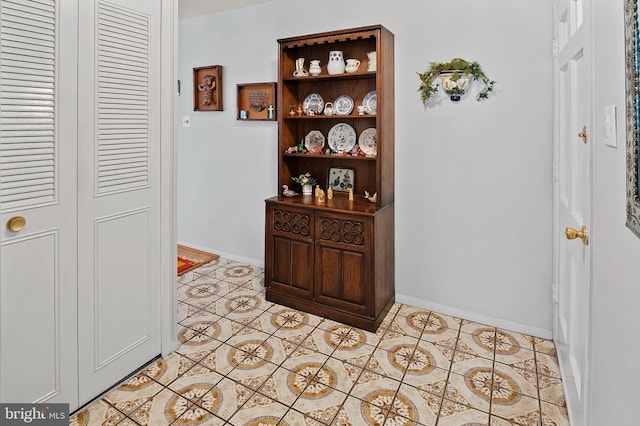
342, 138
370, 102
313, 102
367, 142
314, 141
343, 105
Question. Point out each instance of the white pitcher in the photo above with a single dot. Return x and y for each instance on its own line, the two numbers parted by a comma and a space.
352, 65
371, 65
336, 62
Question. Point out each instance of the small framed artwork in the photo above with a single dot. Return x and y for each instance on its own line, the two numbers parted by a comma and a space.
257, 101
207, 88
341, 178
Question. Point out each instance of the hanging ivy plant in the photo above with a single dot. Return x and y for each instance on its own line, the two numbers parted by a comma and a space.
455, 77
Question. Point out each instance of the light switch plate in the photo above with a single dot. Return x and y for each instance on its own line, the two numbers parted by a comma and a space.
186, 121
610, 132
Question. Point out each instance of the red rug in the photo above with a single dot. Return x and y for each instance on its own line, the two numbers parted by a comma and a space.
185, 264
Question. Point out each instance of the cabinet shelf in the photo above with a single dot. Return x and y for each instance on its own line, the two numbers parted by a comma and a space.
325, 77
340, 203
329, 117
332, 156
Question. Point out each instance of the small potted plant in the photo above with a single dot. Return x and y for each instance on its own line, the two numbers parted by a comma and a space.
306, 181
455, 77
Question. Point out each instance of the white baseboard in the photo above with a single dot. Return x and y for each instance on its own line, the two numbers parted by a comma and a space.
474, 316
253, 262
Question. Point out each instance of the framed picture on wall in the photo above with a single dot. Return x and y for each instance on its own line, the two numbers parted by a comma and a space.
207, 88
341, 178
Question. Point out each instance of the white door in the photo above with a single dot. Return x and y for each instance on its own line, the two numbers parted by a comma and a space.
80, 186
118, 190
572, 147
38, 358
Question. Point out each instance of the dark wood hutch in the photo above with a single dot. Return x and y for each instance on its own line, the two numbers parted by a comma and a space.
334, 258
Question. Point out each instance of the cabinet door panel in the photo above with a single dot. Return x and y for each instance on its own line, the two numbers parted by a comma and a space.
342, 279
330, 276
289, 254
353, 277
291, 266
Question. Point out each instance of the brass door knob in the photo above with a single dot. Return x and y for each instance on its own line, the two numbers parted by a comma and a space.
572, 234
583, 134
16, 223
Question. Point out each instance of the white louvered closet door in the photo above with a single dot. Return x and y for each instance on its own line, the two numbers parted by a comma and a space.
118, 190
38, 326
80, 167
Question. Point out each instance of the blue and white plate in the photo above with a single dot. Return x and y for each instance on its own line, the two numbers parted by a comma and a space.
343, 105
342, 138
313, 102
370, 102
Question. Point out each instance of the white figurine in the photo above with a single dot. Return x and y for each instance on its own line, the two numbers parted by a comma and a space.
372, 199
287, 192
300, 71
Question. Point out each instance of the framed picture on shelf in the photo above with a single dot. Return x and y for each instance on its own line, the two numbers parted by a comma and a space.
341, 178
207, 88
257, 101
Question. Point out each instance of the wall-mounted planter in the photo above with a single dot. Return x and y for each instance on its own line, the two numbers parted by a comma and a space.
455, 83
455, 77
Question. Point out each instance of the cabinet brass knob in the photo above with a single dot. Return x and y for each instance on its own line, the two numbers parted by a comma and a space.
572, 234
16, 223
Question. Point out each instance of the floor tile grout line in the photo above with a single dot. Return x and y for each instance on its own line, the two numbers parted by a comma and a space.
362, 370
451, 364
404, 372
493, 372
535, 359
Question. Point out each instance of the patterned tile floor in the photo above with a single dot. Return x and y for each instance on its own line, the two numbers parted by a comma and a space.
246, 361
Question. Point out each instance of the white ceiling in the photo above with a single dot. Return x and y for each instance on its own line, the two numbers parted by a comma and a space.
191, 8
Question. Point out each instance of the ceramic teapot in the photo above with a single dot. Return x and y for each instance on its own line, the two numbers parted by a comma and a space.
352, 65
328, 108
336, 62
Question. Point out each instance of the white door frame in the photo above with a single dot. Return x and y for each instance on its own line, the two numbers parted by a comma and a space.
168, 177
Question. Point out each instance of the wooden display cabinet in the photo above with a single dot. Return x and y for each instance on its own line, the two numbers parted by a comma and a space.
334, 258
